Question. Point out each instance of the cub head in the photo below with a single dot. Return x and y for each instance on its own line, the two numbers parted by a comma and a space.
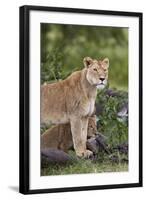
97, 71
92, 129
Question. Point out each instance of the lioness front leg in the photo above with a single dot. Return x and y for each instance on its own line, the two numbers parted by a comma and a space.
84, 135
79, 141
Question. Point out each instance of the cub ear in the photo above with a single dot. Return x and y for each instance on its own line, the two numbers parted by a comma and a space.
106, 62
94, 118
87, 61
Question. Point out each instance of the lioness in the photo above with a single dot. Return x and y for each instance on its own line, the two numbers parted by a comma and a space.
72, 100
60, 137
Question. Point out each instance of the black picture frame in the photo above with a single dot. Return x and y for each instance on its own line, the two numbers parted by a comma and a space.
24, 98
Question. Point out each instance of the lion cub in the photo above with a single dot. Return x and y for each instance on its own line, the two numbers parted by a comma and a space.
72, 100
60, 137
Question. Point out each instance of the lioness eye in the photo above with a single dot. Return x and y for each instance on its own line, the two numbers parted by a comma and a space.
95, 69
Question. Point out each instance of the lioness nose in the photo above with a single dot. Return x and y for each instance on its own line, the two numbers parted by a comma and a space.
102, 79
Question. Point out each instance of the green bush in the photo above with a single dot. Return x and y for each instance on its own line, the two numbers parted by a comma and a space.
108, 122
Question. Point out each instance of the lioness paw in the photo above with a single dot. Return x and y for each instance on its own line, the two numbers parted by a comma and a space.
88, 154
85, 154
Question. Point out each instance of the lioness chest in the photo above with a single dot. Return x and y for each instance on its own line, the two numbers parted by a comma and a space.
88, 107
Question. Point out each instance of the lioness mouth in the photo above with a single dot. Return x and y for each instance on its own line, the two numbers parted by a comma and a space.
100, 86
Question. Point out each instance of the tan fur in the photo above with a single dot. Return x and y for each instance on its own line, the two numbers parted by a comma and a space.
72, 101
60, 137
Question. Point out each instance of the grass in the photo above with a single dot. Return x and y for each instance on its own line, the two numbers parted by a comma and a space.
82, 166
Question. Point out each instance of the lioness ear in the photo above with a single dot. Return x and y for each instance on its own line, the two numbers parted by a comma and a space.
87, 61
106, 62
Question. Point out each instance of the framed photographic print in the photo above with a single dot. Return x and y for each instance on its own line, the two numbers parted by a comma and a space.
80, 99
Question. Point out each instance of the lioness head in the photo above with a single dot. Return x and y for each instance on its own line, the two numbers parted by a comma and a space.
97, 71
